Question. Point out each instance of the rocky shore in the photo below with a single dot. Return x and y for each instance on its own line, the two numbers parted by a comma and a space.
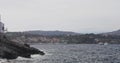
11, 50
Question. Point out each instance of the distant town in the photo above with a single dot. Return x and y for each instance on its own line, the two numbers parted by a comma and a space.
64, 37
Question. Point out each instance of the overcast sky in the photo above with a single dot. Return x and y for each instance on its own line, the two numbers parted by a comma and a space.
67, 15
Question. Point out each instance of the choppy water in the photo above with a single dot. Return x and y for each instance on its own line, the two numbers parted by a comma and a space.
76, 53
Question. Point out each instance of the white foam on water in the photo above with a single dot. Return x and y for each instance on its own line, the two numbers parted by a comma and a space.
22, 58
36, 56
3, 60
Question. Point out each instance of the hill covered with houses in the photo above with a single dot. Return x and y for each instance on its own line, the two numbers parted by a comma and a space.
62, 37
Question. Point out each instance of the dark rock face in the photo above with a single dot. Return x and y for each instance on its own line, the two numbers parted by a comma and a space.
11, 50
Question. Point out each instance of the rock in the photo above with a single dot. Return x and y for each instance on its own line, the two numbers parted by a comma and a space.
11, 50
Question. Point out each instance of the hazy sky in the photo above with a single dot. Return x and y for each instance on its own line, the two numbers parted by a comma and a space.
67, 15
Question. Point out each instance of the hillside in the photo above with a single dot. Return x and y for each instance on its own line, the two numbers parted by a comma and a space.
64, 37
67, 39
51, 33
113, 33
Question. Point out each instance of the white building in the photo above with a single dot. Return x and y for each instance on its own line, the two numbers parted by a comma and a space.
1, 26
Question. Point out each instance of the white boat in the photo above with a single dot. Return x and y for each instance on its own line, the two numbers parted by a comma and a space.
106, 43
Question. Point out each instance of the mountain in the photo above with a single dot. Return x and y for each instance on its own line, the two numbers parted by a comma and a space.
51, 33
113, 33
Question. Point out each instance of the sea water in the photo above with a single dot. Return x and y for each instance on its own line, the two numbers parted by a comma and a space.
72, 53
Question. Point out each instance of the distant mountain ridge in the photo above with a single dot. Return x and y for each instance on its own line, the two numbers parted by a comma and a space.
49, 33
113, 33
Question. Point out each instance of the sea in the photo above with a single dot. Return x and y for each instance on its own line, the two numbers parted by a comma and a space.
72, 53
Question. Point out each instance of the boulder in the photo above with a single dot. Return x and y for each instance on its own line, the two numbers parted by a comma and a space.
11, 50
